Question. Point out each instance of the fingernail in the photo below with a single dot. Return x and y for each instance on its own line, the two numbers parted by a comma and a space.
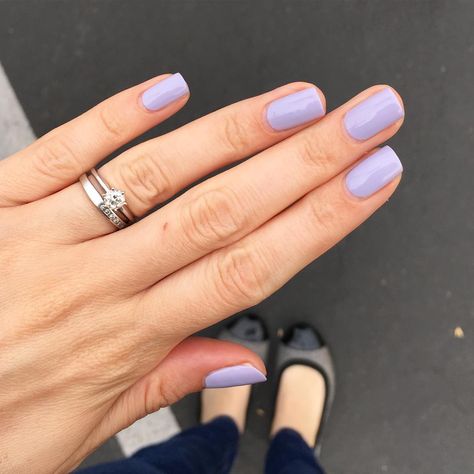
295, 109
234, 376
373, 115
374, 173
165, 92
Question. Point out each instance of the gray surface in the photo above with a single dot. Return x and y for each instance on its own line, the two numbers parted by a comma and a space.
389, 297
15, 130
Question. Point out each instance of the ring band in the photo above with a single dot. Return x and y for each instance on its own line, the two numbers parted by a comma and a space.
110, 201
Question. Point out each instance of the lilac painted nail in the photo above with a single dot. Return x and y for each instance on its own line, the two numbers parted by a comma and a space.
233, 376
165, 92
374, 173
373, 115
295, 109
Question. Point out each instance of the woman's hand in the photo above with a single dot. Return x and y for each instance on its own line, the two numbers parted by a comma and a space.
95, 325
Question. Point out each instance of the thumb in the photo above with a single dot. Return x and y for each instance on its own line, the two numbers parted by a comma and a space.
194, 364
199, 363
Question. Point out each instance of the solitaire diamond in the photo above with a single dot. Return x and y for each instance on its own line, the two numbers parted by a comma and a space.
114, 199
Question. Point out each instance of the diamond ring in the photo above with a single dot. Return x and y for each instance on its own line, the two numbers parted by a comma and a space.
110, 201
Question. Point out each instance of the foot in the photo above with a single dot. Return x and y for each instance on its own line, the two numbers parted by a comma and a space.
300, 402
302, 390
233, 401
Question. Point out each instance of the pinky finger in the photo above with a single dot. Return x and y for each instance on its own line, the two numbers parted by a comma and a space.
243, 274
58, 158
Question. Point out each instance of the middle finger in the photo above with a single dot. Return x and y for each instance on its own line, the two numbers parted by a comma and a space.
228, 206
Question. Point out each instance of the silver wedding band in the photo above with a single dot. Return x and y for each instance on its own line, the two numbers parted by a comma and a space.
110, 201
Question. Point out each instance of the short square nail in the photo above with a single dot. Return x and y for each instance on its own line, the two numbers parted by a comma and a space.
165, 92
234, 376
374, 173
295, 109
373, 115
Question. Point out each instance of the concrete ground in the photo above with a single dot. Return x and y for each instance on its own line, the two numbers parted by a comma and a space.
395, 299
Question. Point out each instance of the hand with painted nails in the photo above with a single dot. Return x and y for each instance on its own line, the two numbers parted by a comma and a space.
99, 300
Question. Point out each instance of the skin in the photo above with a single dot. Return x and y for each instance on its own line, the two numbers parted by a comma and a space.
96, 325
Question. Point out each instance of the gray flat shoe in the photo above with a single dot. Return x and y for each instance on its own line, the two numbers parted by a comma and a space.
249, 331
301, 344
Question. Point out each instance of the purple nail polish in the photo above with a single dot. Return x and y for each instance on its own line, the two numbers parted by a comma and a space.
373, 115
374, 173
295, 109
165, 92
233, 376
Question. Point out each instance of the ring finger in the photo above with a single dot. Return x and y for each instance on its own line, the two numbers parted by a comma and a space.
154, 171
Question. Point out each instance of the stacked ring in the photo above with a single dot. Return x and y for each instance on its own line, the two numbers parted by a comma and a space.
110, 201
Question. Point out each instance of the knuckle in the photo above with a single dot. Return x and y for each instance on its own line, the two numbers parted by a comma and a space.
213, 218
235, 133
55, 158
146, 181
315, 153
113, 123
324, 217
159, 394
242, 277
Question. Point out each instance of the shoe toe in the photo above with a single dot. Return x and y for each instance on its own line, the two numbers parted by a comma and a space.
303, 337
248, 328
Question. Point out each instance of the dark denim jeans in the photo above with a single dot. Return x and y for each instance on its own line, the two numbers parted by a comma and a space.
211, 449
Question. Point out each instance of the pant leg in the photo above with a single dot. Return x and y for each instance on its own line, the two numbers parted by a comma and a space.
205, 449
289, 454
124, 466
